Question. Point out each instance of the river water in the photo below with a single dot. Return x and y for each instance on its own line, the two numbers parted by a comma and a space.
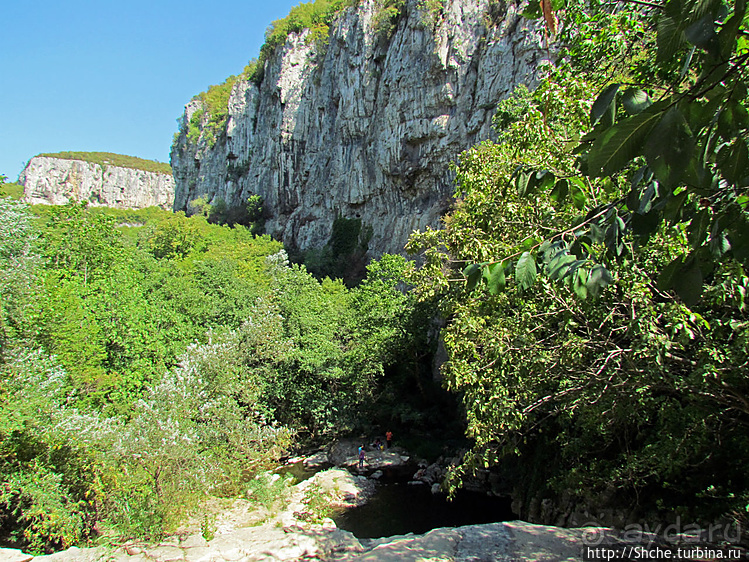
399, 507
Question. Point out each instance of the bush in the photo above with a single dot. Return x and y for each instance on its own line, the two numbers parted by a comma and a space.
386, 18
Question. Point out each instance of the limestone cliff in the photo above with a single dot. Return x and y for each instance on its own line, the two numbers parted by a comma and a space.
361, 127
49, 180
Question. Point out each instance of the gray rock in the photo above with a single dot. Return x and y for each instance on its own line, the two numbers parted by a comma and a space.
317, 460
55, 181
13, 555
362, 128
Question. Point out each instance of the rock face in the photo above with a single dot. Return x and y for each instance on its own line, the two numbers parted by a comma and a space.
499, 542
364, 127
55, 181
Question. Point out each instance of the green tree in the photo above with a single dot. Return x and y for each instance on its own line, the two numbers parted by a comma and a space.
79, 243
20, 266
583, 376
46, 501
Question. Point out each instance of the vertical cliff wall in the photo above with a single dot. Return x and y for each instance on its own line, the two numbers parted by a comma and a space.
364, 127
55, 181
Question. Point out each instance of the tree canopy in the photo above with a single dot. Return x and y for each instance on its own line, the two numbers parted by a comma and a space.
593, 270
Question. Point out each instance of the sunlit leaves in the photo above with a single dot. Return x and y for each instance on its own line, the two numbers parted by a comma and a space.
472, 274
525, 271
636, 101
495, 278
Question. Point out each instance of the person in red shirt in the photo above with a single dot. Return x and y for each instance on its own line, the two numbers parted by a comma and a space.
389, 438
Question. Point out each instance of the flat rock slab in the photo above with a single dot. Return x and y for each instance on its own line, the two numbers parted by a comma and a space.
496, 542
12, 555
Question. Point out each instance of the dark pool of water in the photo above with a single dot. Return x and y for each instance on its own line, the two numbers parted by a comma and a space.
297, 471
398, 508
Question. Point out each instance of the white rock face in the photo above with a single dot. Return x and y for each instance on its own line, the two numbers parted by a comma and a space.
55, 181
364, 128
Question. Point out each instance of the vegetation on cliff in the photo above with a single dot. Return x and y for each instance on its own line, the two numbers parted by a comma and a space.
315, 16
106, 159
592, 276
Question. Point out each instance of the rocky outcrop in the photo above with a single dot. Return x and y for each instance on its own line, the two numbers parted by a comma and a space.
499, 542
55, 181
363, 127
292, 529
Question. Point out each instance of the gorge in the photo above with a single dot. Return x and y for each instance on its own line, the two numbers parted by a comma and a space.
362, 124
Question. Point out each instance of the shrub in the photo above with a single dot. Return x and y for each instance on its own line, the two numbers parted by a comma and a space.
316, 16
386, 18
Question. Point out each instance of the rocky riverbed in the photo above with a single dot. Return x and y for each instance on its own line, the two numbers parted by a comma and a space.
297, 527
295, 523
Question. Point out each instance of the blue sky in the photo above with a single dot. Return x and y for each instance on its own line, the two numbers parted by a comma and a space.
115, 76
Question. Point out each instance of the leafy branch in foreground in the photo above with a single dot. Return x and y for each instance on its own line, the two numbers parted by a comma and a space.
677, 152
627, 181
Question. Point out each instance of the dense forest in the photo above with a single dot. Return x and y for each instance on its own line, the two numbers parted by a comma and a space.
591, 277
594, 268
143, 366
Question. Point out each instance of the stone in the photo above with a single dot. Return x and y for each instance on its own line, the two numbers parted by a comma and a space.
132, 549
13, 555
318, 460
165, 554
361, 128
376, 475
56, 181
194, 541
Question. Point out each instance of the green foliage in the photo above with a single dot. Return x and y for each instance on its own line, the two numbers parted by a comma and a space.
45, 501
343, 257
266, 490
582, 266
106, 159
174, 237
20, 265
10, 190
219, 212
315, 15
174, 362
386, 18
78, 243
432, 11
209, 122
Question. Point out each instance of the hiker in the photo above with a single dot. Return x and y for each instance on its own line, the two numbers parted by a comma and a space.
389, 438
361, 457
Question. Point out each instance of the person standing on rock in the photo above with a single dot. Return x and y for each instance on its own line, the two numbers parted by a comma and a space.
389, 438
361, 457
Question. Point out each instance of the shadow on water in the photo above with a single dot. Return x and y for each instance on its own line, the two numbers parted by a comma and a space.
398, 508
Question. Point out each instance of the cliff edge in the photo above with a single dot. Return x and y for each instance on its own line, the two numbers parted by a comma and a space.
362, 124
102, 179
